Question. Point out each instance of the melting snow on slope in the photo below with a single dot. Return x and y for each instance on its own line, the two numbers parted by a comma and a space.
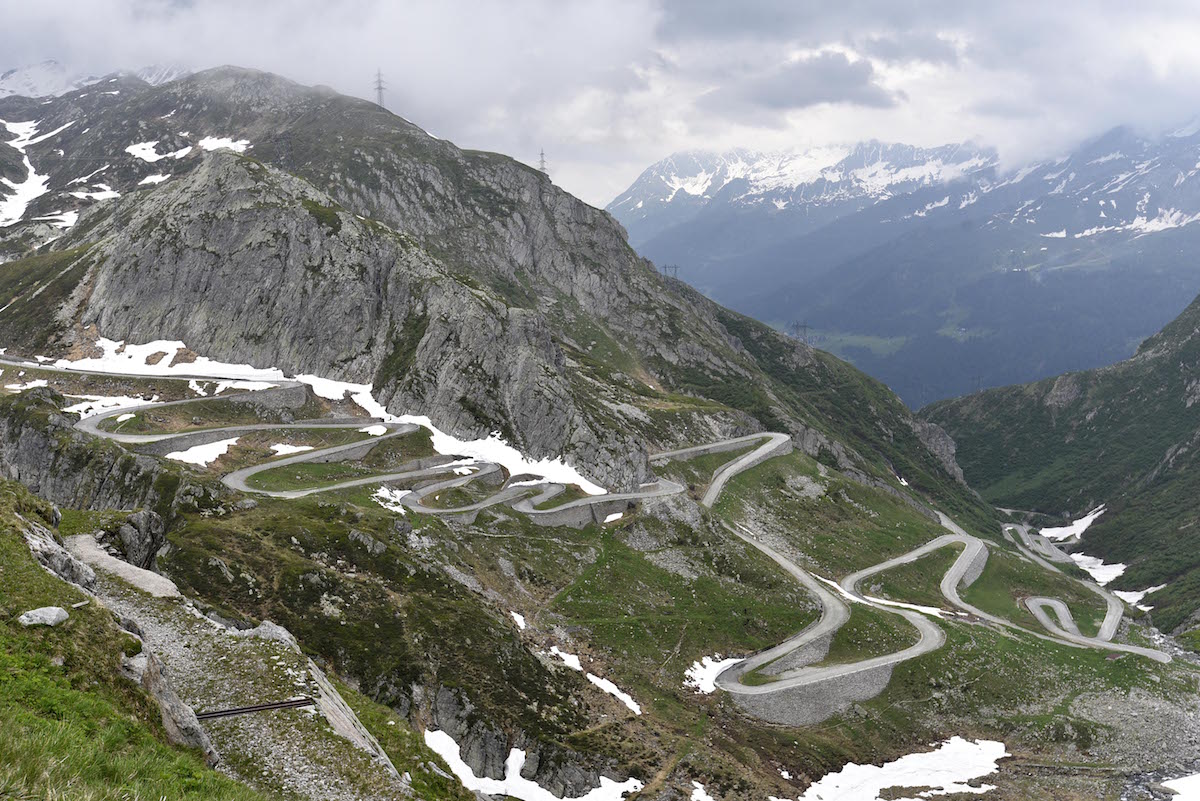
374, 431
389, 498
224, 143
60, 219
102, 192
572, 661
283, 449
95, 404
147, 151
153, 179
514, 784
13, 207
1076, 528
699, 793
1100, 572
118, 357
34, 384
519, 619
203, 455
702, 675
1134, 597
943, 771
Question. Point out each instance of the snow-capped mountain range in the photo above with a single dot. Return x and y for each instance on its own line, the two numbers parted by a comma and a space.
902, 248
839, 179
51, 79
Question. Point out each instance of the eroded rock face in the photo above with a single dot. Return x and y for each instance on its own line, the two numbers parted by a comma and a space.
50, 554
941, 445
142, 536
179, 720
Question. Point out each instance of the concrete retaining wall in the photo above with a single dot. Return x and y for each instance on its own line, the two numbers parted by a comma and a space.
813, 703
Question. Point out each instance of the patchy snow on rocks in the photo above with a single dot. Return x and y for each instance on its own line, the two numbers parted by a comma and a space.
34, 384
1076, 528
59, 219
119, 357
514, 784
699, 793
13, 207
153, 179
90, 405
283, 449
946, 769
203, 455
702, 675
519, 619
102, 192
389, 498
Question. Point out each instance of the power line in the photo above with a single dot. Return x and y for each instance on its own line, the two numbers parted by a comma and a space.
379, 84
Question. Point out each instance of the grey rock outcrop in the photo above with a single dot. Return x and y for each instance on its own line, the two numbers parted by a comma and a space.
51, 554
142, 536
44, 616
178, 719
941, 445
40, 448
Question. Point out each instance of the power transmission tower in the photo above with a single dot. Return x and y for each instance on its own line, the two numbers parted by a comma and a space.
799, 331
379, 84
542, 161
671, 270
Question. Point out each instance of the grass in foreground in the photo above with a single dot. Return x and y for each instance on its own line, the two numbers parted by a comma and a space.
70, 725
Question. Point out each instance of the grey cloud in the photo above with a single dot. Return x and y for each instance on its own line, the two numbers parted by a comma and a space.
824, 78
911, 46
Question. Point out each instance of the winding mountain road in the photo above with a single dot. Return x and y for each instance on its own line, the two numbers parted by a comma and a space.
805, 648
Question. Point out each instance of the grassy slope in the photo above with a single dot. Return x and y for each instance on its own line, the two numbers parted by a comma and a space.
70, 725
1124, 439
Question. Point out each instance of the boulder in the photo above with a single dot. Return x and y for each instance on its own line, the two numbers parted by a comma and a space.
142, 536
45, 616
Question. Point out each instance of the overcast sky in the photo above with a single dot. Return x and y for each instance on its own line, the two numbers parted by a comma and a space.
609, 87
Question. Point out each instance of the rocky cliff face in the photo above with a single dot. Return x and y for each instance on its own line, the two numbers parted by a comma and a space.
264, 222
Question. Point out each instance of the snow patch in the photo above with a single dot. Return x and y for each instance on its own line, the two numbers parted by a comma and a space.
283, 449
374, 431
699, 793
514, 784
224, 143
90, 405
1076, 528
519, 619
389, 498
570, 660
148, 152
34, 384
60, 219
203, 455
1056, 234
1187, 788
1134, 597
616, 692
1099, 571
614, 517
702, 675
102, 192
153, 179
945, 770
